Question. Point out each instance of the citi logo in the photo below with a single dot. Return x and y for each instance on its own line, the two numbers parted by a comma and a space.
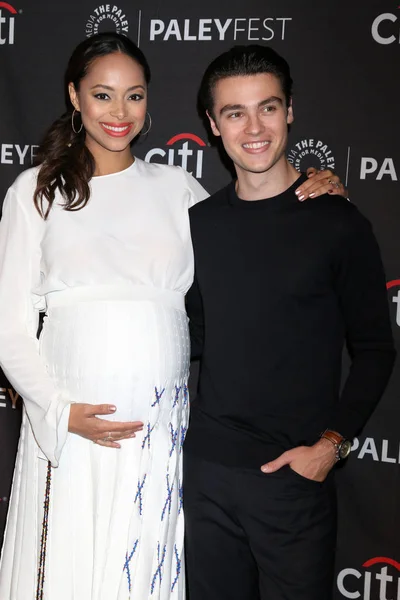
7, 23
386, 29
378, 578
184, 150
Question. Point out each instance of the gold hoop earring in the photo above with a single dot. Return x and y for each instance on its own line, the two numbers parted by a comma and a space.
73, 125
149, 127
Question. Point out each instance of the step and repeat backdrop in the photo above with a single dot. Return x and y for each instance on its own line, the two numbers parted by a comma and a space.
345, 60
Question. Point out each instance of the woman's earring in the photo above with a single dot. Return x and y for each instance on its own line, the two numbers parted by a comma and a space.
73, 124
149, 127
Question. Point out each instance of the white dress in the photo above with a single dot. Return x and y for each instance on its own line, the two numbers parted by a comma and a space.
111, 278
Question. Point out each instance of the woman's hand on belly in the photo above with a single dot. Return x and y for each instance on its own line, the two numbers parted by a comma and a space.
84, 421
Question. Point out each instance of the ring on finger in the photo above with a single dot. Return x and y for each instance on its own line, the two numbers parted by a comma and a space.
335, 183
108, 438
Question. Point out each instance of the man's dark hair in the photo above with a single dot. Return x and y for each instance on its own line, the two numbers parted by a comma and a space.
244, 61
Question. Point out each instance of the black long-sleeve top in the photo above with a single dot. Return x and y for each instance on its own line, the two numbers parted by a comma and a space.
280, 287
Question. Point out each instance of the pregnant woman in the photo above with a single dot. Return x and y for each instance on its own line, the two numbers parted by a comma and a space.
100, 241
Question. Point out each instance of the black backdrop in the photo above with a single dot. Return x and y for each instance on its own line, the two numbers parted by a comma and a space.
345, 64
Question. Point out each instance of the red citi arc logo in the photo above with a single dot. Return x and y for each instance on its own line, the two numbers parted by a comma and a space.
184, 150
8, 7
392, 285
382, 559
371, 583
7, 23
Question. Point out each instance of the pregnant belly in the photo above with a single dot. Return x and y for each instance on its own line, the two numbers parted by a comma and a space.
118, 353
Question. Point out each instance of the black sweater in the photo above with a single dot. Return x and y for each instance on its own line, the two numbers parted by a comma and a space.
280, 286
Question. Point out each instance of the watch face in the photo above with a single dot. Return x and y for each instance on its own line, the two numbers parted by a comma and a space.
345, 448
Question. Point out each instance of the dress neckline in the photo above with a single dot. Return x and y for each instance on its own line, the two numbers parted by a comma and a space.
123, 172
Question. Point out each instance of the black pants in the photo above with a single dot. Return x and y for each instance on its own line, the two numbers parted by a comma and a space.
253, 536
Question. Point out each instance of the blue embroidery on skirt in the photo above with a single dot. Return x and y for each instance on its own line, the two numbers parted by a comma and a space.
159, 568
176, 399
158, 396
183, 435
147, 436
178, 568
185, 395
126, 565
174, 438
180, 492
168, 501
139, 494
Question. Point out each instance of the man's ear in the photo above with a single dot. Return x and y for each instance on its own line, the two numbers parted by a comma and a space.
290, 114
73, 96
213, 124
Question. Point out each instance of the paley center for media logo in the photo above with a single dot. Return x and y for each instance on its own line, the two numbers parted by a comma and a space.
106, 16
378, 577
311, 152
241, 29
386, 28
185, 150
7, 23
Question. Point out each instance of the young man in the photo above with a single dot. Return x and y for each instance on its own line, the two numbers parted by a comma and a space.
280, 286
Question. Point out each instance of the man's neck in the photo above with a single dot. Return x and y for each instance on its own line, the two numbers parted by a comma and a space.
257, 186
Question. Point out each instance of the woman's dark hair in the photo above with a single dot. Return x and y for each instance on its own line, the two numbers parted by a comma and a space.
65, 162
244, 61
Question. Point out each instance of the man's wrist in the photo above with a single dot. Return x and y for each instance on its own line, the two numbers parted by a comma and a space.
325, 447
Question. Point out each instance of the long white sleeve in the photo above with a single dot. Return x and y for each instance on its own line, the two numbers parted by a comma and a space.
47, 408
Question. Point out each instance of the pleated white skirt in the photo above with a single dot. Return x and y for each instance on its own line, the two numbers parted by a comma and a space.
116, 522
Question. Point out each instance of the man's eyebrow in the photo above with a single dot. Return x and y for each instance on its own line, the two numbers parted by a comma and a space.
107, 87
270, 100
229, 107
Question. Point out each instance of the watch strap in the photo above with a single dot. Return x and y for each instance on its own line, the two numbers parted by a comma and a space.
335, 438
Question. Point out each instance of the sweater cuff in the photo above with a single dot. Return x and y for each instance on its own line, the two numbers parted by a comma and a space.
51, 433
